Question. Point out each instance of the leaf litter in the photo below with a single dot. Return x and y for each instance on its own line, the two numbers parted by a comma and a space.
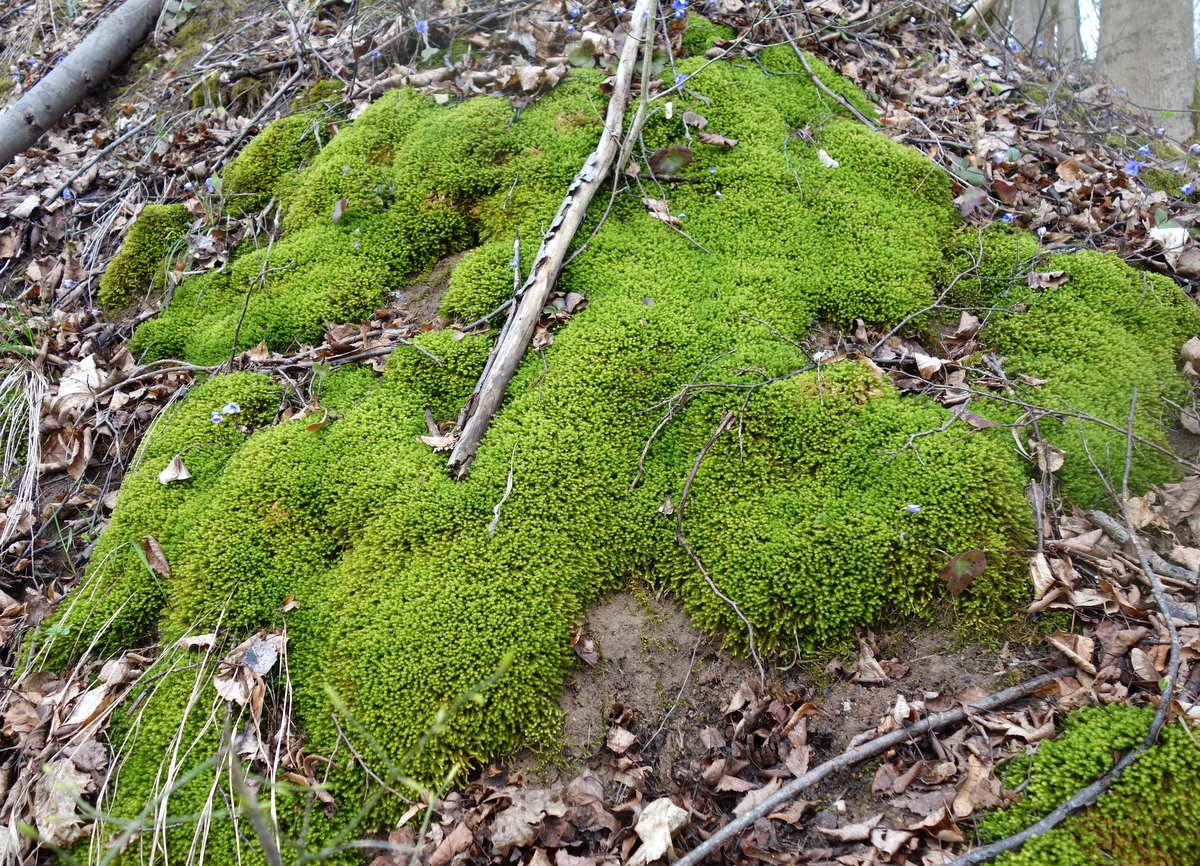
1044, 166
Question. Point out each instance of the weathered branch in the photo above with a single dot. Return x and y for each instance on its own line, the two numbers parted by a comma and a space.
105, 48
507, 354
1087, 796
868, 750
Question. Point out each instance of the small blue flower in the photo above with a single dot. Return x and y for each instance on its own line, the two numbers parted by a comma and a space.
712, 169
681, 216
1187, 188
912, 19
357, 230
1008, 217
998, 157
208, 184
1132, 167
1041, 43
232, 408
216, 417
943, 55
1161, 131
679, 7
680, 78
1119, 90
357, 245
575, 12
376, 54
67, 194
189, 186
1194, 149
618, 11
1041, 231
951, 101
912, 508
719, 196
570, 29
422, 26
1144, 150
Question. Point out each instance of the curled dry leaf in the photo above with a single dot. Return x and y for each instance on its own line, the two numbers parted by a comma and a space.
55, 795
715, 140
1046, 279
619, 740
859, 832
199, 641
174, 471
155, 558
1078, 648
655, 826
439, 443
1040, 574
962, 570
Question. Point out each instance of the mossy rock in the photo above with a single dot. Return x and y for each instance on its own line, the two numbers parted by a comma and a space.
1150, 817
140, 265
413, 588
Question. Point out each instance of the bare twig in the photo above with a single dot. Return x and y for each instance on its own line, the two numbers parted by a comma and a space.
489, 392
725, 423
1087, 796
868, 750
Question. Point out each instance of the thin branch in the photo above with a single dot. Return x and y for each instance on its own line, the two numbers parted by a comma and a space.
725, 424
490, 390
1090, 794
859, 754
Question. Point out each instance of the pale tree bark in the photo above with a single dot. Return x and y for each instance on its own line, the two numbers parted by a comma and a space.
105, 48
1049, 28
1146, 50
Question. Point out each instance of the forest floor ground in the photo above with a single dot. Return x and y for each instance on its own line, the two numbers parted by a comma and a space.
655, 709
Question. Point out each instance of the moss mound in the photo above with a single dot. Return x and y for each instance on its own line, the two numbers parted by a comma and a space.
1150, 817
138, 267
1102, 331
258, 171
802, 512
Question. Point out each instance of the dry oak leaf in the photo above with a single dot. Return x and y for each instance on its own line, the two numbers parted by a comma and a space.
1077, 648
655, 826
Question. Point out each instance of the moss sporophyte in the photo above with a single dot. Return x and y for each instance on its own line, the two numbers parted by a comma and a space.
816, 516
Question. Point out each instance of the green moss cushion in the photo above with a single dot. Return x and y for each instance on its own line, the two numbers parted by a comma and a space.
818, 511
1149, 816
140, 264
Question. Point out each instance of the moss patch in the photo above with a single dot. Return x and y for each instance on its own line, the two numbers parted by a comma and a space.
1150, 816
139, 266
801, 512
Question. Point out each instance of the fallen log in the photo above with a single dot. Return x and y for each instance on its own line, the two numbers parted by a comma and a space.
106, 47
510, 349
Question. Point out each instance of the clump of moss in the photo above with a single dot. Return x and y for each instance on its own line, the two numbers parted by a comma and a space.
701, 34
479, 283
1149, 816
1104, 332
138, 268
255, 175
325, 93
411, 587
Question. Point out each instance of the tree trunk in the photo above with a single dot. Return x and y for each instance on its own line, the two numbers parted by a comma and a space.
1046, 27
113, 40
1146, 50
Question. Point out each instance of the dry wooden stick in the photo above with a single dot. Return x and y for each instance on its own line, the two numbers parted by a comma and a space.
507, 354
1087, 796
868, 750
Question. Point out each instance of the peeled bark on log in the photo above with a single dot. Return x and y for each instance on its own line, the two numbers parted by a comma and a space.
113, 40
